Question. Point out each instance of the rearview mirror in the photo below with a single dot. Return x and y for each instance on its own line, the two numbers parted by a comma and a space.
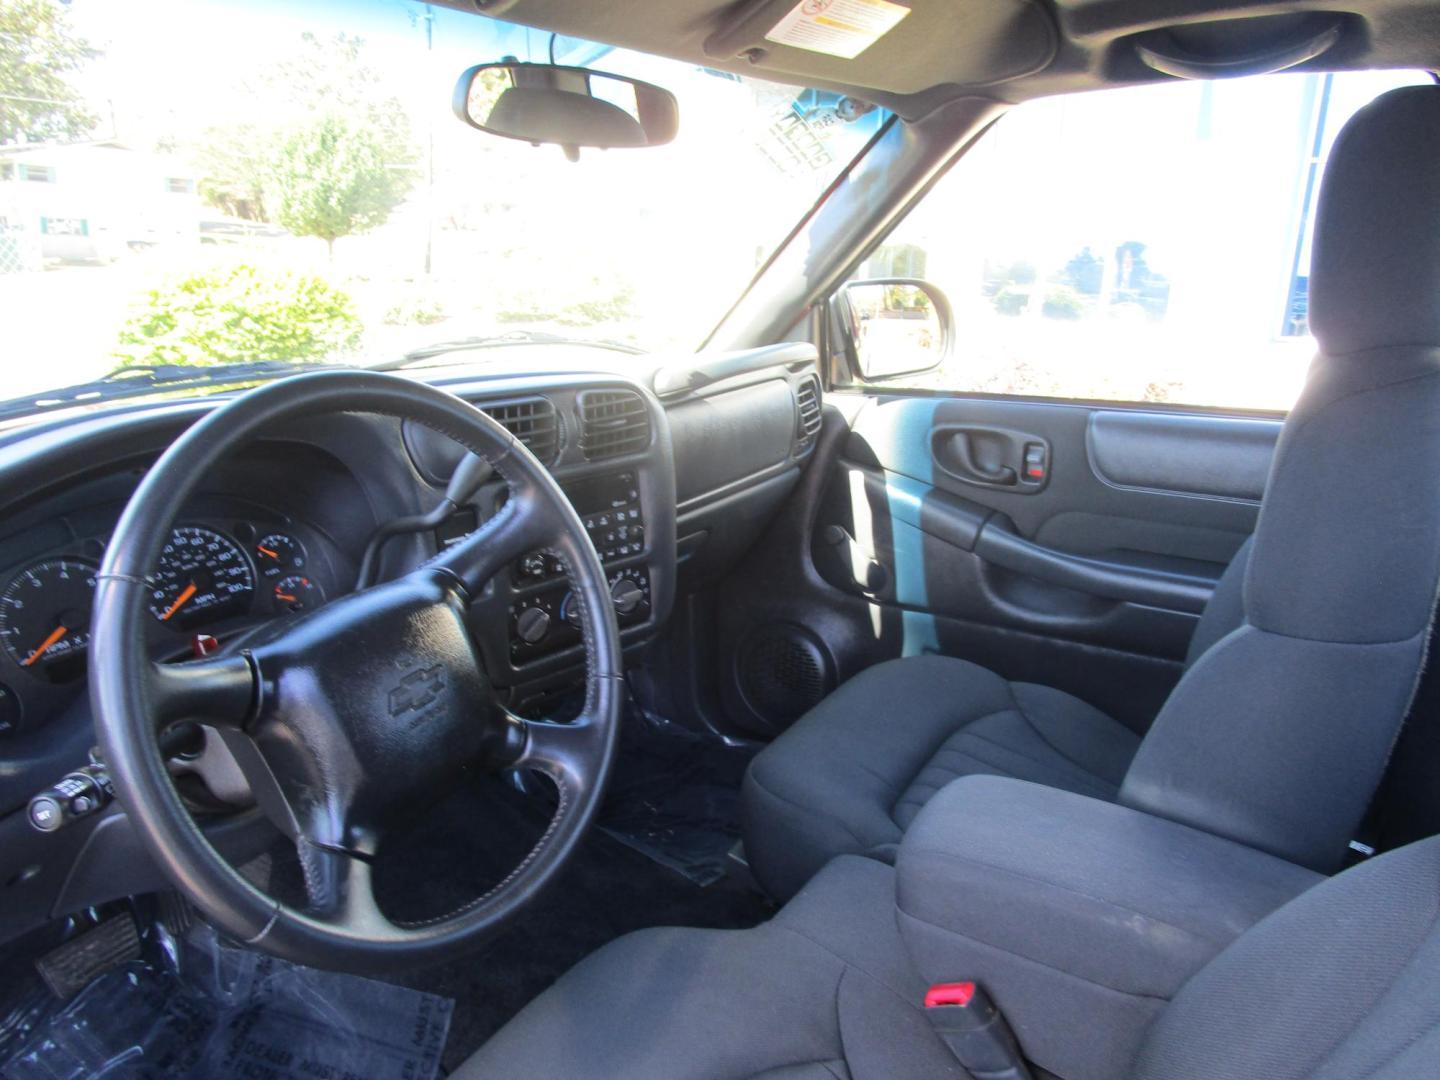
894, 326
568, 107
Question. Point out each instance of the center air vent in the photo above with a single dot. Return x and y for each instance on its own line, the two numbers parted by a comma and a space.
532, 421
612, 423
807, 407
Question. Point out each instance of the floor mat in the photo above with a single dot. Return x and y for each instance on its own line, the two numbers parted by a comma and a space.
203, 1009
675, 796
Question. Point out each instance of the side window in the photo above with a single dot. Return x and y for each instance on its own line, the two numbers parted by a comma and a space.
1143, 245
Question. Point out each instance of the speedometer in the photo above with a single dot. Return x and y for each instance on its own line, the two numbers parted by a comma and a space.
201, 574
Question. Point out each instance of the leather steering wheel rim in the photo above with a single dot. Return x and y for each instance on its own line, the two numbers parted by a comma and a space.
297, 744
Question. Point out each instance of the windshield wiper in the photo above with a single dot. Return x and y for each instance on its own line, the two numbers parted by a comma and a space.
499, 341
143, 380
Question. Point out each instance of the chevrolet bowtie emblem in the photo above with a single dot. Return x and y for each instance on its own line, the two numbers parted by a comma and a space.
416, 690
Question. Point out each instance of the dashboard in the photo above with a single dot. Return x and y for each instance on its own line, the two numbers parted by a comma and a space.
245, 551
284, 525
228, 564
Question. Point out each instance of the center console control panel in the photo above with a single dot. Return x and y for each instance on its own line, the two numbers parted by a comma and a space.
609, 507
546, 620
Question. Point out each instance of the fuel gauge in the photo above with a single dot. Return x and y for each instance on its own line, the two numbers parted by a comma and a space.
296, 593
278, 554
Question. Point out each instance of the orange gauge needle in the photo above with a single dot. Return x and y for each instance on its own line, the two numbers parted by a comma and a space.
185, 594
267, 551
286, 597
55, 635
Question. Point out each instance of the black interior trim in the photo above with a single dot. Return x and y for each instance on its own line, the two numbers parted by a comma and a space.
1220, 457
999, 544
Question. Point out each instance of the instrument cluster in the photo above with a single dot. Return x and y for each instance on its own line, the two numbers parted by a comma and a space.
212, 578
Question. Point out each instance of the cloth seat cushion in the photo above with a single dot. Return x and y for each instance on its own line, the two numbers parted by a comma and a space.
1342, 983
821, 992
851, 774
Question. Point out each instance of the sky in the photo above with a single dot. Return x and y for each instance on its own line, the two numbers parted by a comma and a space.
185, 54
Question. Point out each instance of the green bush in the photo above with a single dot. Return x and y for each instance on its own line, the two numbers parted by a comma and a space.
1012, 301
1062, 302
599, 302
414, 311
600, 308
906, 298
240, 314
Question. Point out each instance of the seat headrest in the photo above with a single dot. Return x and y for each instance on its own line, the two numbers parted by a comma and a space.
1375, 263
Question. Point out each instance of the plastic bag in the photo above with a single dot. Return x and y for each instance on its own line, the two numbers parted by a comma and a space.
211, 1010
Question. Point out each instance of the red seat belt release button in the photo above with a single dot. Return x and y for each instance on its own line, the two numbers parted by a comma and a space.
963, 1015
959, 993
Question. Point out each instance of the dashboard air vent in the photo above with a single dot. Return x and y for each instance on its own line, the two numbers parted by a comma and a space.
532, 421
612, 423
807, 405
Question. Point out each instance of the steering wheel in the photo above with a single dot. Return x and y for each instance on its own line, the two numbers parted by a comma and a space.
342, 716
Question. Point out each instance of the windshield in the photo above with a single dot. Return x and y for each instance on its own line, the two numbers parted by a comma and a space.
201, 182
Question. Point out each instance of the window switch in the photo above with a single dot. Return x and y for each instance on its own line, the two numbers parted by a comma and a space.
1037, 463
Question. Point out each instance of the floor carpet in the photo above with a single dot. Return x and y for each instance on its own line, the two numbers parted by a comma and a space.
657, 859
608, 890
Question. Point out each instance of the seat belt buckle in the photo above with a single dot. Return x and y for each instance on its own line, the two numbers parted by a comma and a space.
965, 1017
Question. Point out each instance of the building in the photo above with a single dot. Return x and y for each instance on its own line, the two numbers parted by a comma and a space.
92, 201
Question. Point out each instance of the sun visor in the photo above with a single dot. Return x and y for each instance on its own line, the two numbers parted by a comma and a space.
890, 45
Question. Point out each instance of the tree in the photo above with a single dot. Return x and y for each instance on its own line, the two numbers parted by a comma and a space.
1086, 272
38, 51
331, 179
323, 76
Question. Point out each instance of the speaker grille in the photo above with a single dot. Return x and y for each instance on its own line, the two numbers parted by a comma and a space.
783, 672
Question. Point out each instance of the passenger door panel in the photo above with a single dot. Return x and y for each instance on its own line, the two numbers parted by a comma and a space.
1090, 577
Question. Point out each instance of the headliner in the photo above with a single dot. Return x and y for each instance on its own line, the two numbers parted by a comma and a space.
1007, 49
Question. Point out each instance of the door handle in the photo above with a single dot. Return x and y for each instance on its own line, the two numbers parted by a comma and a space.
999, 475
991, 457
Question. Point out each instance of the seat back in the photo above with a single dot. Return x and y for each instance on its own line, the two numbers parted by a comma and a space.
1225, 610
1339, 984
1278, 735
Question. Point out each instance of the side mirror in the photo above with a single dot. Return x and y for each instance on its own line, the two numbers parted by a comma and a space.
568, 107
894, 326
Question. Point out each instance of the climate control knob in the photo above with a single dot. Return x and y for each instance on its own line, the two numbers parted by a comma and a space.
570, 610
532, 624
626, 596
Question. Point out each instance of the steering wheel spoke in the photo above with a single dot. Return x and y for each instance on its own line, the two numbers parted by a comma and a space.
219, 691
523, 524
340, 888
559, 750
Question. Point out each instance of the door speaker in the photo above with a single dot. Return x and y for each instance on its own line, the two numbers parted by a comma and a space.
782, 670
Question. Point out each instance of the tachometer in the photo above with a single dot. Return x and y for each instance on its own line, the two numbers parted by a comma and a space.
201, 574
45, 616
278, 554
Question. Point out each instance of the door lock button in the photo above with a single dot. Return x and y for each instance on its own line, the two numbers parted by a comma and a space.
1037, 463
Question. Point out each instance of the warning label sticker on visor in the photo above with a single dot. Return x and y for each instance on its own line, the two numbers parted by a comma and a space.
843, 28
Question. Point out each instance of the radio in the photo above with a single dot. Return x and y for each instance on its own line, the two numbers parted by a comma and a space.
609, 507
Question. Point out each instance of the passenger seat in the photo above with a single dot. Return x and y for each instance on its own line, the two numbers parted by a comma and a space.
1278, 733
850, 775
